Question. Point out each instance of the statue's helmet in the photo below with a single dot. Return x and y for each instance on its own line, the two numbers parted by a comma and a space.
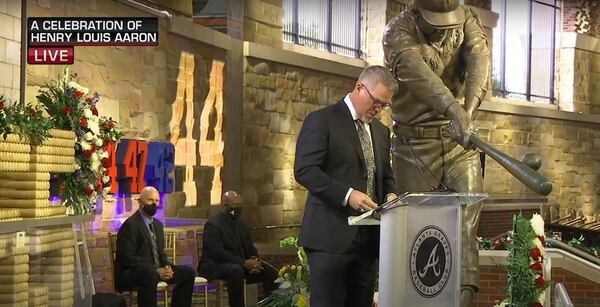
441, 14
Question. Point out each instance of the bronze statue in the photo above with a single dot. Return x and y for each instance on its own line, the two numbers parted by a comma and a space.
437, 49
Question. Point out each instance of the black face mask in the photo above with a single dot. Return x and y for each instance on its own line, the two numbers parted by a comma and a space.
150, 209
236, 213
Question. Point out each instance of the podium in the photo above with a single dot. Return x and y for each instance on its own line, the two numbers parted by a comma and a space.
419, 253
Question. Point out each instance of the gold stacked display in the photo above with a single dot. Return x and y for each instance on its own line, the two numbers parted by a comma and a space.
51, 264
38, 295
25, 174
14, 270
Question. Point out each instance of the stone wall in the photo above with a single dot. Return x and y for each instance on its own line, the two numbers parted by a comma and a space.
583, 292
277, 98
263, 22
569, 150
578, 75
10, 49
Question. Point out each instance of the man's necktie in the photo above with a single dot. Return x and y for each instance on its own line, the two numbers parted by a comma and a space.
153, 243
367, 148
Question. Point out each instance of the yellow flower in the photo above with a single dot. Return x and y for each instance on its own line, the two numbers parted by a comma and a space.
302, 301
281, 271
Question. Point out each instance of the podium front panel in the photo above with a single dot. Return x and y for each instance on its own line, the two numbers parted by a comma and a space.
420, 256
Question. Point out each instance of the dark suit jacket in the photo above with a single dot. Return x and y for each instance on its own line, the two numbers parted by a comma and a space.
329, 161
134, 247
224, 241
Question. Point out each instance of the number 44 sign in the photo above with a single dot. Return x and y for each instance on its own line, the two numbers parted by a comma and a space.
140, 163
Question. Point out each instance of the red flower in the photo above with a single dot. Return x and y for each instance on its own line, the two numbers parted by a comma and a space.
537, 266
78, 94
61, 187
87, 154
94, 111
539, 282
99, 186
66, 110
537, 304
1, 105
105, 162
88, 191
83, 122
535, 254
541, 238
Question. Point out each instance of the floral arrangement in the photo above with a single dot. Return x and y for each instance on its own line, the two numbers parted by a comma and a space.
72, 107
501, 242
293, 281
526, 283
25, 120
578, 243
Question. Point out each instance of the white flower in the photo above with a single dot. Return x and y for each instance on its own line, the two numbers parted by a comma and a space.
85, 145
539, 245
98, 142
537, 223
88, 136
106, 190
105, 179
94, 125
87, 113
95, 164
78, 87
542, 298
102, 154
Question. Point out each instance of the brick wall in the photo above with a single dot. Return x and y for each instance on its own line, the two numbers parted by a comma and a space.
581, 17
10, 49
583, 292
493, 223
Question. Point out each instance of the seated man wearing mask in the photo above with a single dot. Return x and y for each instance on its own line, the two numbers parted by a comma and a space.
229, 254
141, 261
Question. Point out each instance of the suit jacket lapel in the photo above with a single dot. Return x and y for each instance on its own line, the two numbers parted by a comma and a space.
143, 228
347, 123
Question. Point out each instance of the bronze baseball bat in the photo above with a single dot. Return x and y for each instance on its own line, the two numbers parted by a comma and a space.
520, 170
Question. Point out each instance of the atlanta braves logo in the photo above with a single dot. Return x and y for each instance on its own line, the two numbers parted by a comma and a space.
430, 261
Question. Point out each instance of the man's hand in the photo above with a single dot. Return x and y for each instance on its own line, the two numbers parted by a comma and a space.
390, 197
361, 201
253, 265
461, 127
165, 273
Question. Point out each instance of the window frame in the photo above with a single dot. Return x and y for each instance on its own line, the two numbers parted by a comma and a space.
328, 42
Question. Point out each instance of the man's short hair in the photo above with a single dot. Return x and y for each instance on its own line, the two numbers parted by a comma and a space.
376, 74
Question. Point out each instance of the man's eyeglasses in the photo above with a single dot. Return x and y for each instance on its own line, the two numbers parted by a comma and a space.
376, 102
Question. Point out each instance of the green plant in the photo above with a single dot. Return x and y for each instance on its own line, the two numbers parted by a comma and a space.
23, 119
293, 280
526, 282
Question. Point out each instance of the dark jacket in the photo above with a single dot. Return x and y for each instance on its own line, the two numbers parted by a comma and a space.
133, 245
225, 241
329, 161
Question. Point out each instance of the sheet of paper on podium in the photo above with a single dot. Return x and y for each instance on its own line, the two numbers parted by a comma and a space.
371, 217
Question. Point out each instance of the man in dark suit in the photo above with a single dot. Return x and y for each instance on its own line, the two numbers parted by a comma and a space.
229, 254
141, 261
343, 159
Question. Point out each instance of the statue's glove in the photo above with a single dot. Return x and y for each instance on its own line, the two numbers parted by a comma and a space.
461, 126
